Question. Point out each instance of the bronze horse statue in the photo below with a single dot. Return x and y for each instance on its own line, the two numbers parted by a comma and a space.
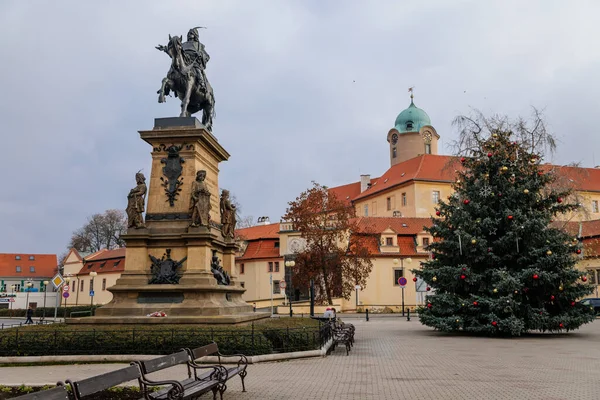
188, 82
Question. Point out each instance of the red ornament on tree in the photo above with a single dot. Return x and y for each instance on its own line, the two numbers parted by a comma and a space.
428, 288
494, 323
584, 278
578, 251
464, 268
475, 303
466, 201
552, 297
432, 256
541, 313
559, 200
489, 249
462, 159
429, 305
536, 276
438, 213
499, 194
540, 173
490, 154
561, 325
463, 276
572, 304
525, 290
415, 279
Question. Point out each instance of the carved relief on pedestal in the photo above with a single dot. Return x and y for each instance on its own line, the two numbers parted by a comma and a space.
172, 171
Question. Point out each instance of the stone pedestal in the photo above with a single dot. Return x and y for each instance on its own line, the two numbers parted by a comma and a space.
197, 298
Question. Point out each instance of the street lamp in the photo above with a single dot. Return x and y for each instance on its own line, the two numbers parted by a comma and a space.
12, 288
28, 286
45, 291
289, 264
93, 274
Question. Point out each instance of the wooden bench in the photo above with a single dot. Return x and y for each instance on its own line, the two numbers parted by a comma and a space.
342, 334
58, 393
213, 379
213, 349
98, 383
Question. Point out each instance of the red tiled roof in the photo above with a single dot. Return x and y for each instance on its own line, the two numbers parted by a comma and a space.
45, 265
260, 249
591, 247
400, 225
107, 261
347, 193
270, 231
426, 167
588, 228
407, 245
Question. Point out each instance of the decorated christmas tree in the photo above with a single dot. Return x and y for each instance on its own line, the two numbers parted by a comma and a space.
498, 264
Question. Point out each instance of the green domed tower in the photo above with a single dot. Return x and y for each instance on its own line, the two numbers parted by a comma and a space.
412, 135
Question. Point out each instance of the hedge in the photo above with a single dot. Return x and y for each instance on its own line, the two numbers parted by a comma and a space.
249, 340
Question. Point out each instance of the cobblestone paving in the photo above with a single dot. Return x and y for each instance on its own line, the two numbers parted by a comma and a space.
396, 359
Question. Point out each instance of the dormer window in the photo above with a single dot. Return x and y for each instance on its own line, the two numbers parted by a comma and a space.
389, 241
409, 125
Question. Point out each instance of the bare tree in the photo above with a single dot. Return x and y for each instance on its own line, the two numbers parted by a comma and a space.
101, 231
242, 221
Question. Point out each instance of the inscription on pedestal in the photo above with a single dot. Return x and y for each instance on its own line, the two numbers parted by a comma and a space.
160, 297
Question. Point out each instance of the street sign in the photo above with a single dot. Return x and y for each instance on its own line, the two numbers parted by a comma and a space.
357, 287
65, 294
282, 284
57, 281
91, 293
7, 300
402, 281
66, 288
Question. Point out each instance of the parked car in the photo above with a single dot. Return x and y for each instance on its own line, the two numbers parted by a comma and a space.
594, 302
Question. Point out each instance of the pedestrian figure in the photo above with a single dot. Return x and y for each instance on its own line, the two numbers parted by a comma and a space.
29, 315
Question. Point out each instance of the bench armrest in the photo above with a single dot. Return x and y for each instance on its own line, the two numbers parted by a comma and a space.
220, 372
242, 361
176, 392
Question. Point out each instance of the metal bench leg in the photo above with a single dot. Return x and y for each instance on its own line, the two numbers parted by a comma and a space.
243, 375
222, 389
215, 390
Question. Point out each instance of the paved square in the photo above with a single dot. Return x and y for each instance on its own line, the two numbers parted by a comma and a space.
396, 359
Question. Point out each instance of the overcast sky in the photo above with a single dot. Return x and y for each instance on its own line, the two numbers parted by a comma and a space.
305, 90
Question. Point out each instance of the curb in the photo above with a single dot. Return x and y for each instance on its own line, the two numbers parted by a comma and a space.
137, 357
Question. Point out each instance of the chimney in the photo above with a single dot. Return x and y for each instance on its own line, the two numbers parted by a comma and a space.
365, 182
263, 221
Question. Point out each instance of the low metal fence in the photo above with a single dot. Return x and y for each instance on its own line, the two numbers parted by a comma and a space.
28, 342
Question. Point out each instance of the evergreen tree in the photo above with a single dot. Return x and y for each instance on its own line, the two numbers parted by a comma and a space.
498, 267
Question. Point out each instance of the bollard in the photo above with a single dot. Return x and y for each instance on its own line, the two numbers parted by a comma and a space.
254, 307
408, 314
367, 311
291, 312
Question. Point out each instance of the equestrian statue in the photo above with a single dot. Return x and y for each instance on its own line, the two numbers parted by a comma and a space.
186, 77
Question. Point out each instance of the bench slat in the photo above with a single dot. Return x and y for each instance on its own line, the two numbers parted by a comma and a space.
98, 383
204, 351
190, 391
165, 362
58, 393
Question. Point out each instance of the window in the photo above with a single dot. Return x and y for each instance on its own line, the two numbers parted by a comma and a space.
427, 148
389, 241
117, 264
277, 245
81, 287
404, 199
103, 283
394, 152
18, 287
435, 196
103, 264
366, 210
243, 284
270, 267
592, 276
18, 268
388, 203
425, 242
17, 257
32, 269
276, 287
409, 125
242, 268
398, 273
276, 266
374, 208
31, 258
595, 206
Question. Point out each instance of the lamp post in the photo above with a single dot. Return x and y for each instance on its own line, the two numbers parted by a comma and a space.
45, 291
12, 288
396, 263
28, 287
93, 274
289, 264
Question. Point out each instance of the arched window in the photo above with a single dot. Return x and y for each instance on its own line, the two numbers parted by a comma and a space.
393, 152
427, 148
409, 125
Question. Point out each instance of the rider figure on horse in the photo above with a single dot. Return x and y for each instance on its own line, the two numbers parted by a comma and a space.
195, 53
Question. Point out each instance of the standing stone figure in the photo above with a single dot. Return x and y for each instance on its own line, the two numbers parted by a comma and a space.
200, 201
135, 203
227, 215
